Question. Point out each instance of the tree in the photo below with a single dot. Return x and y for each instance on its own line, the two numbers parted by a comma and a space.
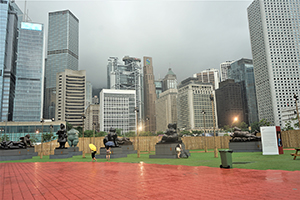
255, 126
4, 137
288, 126
48, 137
69, 126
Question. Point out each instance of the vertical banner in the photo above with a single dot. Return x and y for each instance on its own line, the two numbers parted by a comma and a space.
269, 140
279, 140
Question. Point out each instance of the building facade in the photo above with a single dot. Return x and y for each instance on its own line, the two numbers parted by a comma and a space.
92, 114
149, 95
70, 97
193, 101
169, 81
117, 110
89, 93
9, 22
275, 36
242, 71
127, 76
63, 39
209, 76
158, 87
231, 103
28, 102
166, 109
224, 70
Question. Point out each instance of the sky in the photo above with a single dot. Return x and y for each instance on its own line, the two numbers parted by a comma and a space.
186, 36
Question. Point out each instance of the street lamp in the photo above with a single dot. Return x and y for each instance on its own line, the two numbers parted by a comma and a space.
205, 148
213, 115
41, 154
296, 99
51, 128
83, 117
6, 125
136, 109
235, 119
94, 126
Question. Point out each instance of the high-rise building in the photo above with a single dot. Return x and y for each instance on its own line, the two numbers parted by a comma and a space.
224, 70
209, 76
275, 36
231, 103
193, 100
158, 87
127, 76
242, 71
92, 114
28, 102
62, 53
166, 109
8, 57
117, 110
70, 97
170, 81
149, 95
89, 90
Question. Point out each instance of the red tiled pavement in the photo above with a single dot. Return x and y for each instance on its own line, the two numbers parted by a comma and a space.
92, 180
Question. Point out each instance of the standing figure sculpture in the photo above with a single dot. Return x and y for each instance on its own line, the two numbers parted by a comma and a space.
171, 136
62, 137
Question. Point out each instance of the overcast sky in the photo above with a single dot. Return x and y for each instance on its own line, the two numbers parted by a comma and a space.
187, 36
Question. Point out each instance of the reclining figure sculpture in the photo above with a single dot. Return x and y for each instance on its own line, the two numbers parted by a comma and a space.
243, 136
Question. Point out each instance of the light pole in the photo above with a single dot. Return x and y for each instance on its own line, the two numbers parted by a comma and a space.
234, 120
94, 125
136, 109
41, 154
205, 148
83, 117
6, 126
213, 115
51, 127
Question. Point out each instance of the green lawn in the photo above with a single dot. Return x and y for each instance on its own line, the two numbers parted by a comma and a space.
240, 160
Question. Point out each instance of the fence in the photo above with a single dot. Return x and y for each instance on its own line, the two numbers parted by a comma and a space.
146, 143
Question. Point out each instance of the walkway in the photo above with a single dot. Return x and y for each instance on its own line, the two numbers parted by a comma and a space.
110, 180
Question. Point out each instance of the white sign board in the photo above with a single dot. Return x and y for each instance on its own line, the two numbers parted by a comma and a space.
269, 140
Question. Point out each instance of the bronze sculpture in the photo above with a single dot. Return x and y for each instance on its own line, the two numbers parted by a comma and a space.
73, 137
171, 135
244, 136
62, 137
111, 138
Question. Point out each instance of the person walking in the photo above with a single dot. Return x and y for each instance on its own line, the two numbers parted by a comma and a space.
108, 152
178, 149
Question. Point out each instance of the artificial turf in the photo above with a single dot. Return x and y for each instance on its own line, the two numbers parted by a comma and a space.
245, 160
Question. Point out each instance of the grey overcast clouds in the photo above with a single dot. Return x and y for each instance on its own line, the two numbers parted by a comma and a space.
187, 36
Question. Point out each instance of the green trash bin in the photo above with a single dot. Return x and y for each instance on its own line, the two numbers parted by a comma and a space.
226, 158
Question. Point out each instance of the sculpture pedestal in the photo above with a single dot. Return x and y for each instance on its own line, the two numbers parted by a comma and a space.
30, 151
14, 154
116, 152
75, 151
128, 149
167, 150
61, 153
251, 146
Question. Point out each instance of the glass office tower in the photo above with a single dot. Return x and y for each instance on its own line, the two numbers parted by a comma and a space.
8, 57
29, 74
63, 35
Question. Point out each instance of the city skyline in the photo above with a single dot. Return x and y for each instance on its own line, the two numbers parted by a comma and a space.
194, 35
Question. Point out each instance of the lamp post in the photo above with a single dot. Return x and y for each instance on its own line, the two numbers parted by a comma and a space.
213, 115
205, 147
41, 154
6, 126
83, 117
234, 120
51, 127
136, 109
94, 126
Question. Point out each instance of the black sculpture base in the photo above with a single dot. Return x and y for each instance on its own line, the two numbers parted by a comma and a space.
167, 150
128, 149
75, 151
251, 146
61, 153
15, 154
30, 151
116, 152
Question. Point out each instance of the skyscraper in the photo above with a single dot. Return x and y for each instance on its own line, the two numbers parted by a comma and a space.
8, 57
275, 36
62, 53
170, 81
149, 95
209, 76
127, 76
242, 71
30, 73
70, 98
224, 70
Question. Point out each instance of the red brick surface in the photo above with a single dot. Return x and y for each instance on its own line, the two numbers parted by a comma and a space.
92, 180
